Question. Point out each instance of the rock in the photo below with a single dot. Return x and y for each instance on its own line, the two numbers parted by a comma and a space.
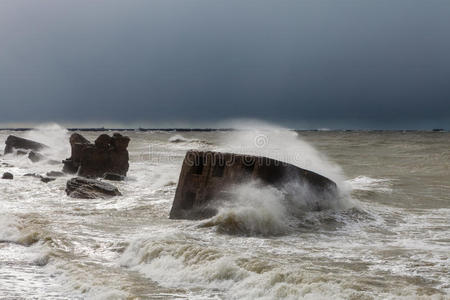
7, 175
78, 143
36, 157
42, 178
85, 188
47, 179
113, 177
21, 152
14, 142
106, 155
33, 175
207, 177
55, 174
53, 162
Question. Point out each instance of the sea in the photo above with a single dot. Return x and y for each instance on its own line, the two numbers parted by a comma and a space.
386, 236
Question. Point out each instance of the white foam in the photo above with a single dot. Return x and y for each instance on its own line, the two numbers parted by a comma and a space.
365, 183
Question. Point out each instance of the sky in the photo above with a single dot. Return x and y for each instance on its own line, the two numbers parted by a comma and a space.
378, 64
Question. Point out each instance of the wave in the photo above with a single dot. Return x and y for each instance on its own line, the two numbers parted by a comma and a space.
12, 231
181, 139
365, 183
256, 209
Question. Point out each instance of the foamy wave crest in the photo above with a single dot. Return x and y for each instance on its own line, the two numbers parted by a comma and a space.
365, 183
11, 231
257, 209
178, 260
181, 139
54, 136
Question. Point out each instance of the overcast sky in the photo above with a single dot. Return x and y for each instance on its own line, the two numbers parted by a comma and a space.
300, 63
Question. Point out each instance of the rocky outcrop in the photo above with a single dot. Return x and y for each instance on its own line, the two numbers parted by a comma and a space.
107, 154
14, 142
45, 179
35, 157
208, 177
85, 188
7, 175
55, 174
113, 177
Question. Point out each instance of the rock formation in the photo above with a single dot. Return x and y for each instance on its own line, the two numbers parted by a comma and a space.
208, 176
85, 188
7, 175
107, 154
35, 157
14, 142
113, 177
55, 174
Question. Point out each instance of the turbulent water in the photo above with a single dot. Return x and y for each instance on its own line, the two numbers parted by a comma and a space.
387, 236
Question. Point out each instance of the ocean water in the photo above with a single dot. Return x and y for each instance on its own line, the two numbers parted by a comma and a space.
387, 235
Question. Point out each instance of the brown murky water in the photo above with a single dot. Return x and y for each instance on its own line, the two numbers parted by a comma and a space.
388, 237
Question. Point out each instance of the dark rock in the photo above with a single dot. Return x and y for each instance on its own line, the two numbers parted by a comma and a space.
78, 143
33, 175
55, 174
7, 175
85, 188
14, 142
113, 176
36, 157
21, 152
53, 162
108, 154
47, 179
208, 176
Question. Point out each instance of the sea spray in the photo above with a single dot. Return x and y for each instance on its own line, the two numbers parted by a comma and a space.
254, 210
54, 136
263, 139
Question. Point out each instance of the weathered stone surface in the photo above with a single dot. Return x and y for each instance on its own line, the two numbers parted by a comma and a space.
36, 157
47, 179
107, 154
85, 188
113, 177
33, 175
55, 174
14, 142
7, 175
208, 176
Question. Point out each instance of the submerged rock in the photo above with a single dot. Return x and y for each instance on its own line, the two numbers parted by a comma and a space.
113, 176
85, 188
208, 177
14, 142
47, 179
107, 154
55, 174
7, 175
35, 157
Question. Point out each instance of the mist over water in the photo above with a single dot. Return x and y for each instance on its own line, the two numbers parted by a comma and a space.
385, 236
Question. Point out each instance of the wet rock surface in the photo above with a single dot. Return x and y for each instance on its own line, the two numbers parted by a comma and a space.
85, 188
107, 155
36, 157
113, 177
14, 142
55, 174
7, 175
208, 176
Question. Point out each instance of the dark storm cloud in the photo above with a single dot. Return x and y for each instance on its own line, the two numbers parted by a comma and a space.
326, 63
